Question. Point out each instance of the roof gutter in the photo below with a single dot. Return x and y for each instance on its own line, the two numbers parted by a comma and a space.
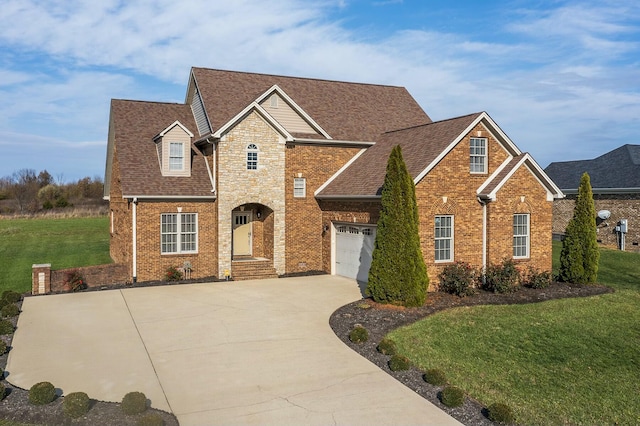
310, 141
349, 197
170, 197
606, 191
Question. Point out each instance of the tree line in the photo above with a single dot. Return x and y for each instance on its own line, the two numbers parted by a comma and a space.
26, 191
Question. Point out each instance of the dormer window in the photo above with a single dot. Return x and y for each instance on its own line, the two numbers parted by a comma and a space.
252, 157
176, 156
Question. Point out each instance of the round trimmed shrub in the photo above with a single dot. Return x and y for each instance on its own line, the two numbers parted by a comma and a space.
42, 393
10, 310
6, 327
3, 391
387, 347
500, 412
359, 334
134, 403
3, 348
11, 296
452, 396
435, 377
76, 404
458, 279
399, 362
151, 419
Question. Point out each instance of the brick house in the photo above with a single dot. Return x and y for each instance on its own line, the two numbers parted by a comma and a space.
260, 175
615, 182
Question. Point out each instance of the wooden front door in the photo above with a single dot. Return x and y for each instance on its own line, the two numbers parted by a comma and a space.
242, 234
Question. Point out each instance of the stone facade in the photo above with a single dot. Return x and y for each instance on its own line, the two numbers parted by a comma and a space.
239, 187
621, 206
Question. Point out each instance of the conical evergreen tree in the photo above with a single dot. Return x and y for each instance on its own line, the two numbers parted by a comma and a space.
398, 274
580, 254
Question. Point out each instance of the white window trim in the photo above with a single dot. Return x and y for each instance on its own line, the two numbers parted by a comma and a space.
181, 144
451, 246
299, 187
179, 217
252, 149
527, 236
484, 157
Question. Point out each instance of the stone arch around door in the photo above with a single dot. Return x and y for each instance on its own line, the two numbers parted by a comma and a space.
252, 228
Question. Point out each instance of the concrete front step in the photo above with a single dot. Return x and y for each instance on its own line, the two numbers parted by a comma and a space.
252, 269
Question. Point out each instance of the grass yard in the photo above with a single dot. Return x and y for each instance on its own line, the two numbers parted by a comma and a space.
570, 361
64, 243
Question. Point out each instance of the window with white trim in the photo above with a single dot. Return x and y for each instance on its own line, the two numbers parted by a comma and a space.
520, 236
252, 157
478, 155
443, 238
176, 156
178, 233
299, 187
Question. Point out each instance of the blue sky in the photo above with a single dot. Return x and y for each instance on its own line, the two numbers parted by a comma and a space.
561, 78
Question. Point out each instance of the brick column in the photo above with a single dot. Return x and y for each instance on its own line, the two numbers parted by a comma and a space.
41, 278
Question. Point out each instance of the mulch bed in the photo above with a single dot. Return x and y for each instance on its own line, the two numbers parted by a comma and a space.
381, 319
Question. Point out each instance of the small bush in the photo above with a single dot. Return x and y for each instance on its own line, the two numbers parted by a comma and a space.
11, 296
399, 363
6, 327
502, 278
359, 334
435, 377
458, 279
151, 419
1, 374
387, 347
10, 310
134, 403
452, 396
172, 274
75, 280
3, 391
42, 393
3, 349
501, 413
536, 279
76, 404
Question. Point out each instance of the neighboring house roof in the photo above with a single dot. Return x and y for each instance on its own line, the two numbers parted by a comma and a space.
615, 171
346, 111
135, 125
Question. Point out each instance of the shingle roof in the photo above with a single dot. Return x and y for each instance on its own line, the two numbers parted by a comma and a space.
135, 124
346, 111
619, 169
420, 145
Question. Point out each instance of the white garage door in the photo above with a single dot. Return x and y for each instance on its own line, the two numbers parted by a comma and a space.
354, 246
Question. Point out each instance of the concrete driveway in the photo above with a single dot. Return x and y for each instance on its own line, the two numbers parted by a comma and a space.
252, 352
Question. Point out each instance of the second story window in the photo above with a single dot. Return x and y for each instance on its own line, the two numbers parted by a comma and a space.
252, 157
176, 156
299, 187
478, 155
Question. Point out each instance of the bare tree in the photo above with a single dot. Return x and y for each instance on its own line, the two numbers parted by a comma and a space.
25, 189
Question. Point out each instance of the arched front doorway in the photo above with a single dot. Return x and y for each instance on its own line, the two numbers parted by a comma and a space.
252, 241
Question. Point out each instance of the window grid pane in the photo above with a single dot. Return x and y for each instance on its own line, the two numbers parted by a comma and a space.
188, 236
477, 155
299, 187
176, 156
252, 157
169, 233
178, 233
443, 238
520, 235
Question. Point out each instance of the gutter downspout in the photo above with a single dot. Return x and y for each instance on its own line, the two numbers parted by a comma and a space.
134, 220
484, 203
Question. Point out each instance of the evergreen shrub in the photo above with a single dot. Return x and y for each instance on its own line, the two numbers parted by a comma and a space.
501, 413
458, 278
10, 310
387, 347
11, 296
3, 391
399, 363
134, 403
6, 327
452, 396
501, 278
533, 278
435, 377
42, 393
359, 334
76, 404
3, 349
173, 274
151, 419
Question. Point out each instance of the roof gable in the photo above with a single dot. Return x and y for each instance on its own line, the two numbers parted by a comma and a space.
170, 127
345, 111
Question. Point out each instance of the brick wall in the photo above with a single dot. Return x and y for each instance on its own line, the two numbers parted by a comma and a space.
45, 280
621, 206
305, 239
120, 247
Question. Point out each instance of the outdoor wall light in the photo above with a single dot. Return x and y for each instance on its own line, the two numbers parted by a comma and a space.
259, 214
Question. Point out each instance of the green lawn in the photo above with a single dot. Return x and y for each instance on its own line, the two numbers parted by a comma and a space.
64, 243
571, 361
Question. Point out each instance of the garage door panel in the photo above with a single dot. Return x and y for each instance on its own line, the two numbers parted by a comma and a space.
354, 248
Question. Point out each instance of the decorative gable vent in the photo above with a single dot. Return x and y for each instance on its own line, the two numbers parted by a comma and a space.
199, 114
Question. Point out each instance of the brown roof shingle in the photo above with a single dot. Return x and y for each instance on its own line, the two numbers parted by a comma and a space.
346, 111
135, 123
420, 146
